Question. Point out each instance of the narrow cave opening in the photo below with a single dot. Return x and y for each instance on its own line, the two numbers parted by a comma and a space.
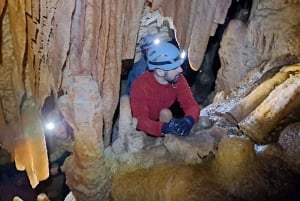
16, 182
203, 83
59, 137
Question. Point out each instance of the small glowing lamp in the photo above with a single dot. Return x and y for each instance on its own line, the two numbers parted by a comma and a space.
183, 54
50, 125
156, 41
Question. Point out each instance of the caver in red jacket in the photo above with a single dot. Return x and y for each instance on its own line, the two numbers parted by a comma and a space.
148, 98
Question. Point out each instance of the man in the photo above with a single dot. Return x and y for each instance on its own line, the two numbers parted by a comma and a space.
59, 139
140, 66
158, 88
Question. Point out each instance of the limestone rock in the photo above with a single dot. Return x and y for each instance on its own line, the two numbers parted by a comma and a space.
289, 140
280, 102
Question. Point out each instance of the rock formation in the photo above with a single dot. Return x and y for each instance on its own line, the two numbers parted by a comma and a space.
73, 51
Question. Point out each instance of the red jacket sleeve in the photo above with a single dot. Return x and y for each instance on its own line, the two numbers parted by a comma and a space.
186, 99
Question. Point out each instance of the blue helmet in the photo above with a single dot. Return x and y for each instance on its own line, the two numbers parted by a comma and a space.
165, 56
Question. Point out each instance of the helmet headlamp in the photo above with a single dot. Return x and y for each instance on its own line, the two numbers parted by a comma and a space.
156, 41
182, 54
50, 125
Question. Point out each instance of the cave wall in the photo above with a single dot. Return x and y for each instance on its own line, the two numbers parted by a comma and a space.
65, 46
75, 49
271, 33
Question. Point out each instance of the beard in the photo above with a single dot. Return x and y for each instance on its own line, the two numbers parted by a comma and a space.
173, 80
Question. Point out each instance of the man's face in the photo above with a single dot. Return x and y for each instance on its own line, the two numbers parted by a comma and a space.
173, 75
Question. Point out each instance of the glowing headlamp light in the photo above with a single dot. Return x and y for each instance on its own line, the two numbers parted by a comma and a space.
50, 125
156, 41
183, 54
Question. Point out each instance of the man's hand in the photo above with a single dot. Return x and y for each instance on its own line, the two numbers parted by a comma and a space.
186, 124
54, 169
180, 126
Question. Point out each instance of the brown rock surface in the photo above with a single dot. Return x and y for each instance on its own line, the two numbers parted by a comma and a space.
272, 31
75, 49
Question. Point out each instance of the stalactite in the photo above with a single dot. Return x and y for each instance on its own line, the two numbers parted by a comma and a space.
30, 150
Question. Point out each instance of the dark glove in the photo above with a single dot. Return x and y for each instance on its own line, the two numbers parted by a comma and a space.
185, 125
171, 127
180, 127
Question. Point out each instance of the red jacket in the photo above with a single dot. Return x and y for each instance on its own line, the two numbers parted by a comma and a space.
148, 97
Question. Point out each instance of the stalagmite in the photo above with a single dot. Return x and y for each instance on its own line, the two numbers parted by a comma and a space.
86, 172
127, 125
42, 197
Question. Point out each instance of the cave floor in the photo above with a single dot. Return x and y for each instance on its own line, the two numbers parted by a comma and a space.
199, 182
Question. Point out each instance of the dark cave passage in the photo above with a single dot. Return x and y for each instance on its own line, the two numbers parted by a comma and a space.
203, 81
